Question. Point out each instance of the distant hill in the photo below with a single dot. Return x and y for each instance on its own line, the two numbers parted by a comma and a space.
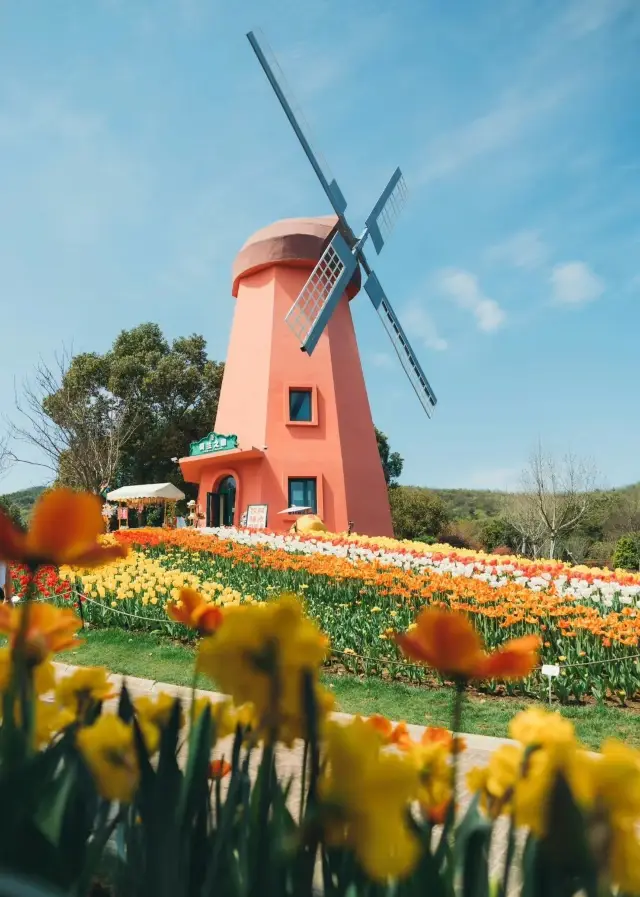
24, 499
462, 504
471, 504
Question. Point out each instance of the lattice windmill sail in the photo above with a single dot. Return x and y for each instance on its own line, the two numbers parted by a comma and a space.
310, 313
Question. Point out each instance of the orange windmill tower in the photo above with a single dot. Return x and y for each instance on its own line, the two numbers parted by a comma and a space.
294, 430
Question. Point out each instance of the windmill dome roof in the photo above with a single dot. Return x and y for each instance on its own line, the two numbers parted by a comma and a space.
293, 241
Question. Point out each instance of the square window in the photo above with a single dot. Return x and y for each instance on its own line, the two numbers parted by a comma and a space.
303, 493
300, 410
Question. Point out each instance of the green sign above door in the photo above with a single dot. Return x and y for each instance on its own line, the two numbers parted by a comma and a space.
214, 442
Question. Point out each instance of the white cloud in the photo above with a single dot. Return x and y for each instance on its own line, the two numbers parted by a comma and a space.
419, 324
525, 249
502, 126
574, 283
463, 288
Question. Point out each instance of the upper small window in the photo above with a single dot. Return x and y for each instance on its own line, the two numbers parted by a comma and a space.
300, 410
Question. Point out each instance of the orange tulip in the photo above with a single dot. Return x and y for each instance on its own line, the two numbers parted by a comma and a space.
49, 629
64, 529
381, 724
194, 611
218, 769
437, 735
448, 642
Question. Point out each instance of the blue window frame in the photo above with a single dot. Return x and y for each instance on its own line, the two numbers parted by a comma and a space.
303, 493
300, 410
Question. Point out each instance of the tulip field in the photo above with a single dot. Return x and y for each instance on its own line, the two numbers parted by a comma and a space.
360, 590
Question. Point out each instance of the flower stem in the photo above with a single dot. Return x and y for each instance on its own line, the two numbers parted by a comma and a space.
456, 725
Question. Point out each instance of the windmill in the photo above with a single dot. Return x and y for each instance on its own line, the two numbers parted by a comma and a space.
311, 311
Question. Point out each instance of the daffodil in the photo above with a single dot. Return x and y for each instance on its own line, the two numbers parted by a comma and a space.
365, 796
537, 727
108, 750
44, 676
65, 529
50, 720
156, 710
614, 814
260, 655
85, 687
50, 629
432, 761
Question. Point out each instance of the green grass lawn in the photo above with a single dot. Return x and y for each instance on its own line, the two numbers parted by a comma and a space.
155, 657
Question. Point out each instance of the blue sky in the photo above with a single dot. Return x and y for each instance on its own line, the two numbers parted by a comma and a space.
140, 145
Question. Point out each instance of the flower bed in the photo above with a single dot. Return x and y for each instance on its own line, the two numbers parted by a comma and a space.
359, 602
377, 812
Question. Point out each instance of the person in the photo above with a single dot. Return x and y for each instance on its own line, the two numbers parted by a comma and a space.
6, 583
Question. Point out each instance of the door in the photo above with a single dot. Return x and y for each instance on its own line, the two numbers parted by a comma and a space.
213, 509
225, 510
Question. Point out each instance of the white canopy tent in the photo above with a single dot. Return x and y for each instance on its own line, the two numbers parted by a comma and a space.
146, 494
159, 491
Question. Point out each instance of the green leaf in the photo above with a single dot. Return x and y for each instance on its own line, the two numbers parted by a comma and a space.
21, 886
565, 848
50, 814
195, 783
471, 851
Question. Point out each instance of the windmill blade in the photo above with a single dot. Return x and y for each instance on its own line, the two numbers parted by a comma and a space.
310, 313
386, 211
294, 113
401, 344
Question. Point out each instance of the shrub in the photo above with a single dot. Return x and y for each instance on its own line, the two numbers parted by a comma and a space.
12, 510
627, 553
417, 513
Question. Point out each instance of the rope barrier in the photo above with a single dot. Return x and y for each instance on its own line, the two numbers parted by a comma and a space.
364, 657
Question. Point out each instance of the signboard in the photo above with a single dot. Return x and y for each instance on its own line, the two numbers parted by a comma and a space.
551, 669
256, 517
214, 442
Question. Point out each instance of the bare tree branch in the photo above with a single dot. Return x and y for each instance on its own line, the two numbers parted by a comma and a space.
80, 435
6, 455
555, 497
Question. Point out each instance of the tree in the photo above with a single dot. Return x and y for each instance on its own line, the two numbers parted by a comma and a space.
392, 462
154, 396
522, 515
627, 553
497, 531
79, 432
6, 456
417, 513
555, 498
11, 510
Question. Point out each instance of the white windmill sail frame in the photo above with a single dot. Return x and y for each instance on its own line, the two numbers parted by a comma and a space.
327, 282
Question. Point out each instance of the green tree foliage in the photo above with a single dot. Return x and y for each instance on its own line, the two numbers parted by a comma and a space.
392, 462
11, 509
170, 392
497, 531
417, 513
627, 553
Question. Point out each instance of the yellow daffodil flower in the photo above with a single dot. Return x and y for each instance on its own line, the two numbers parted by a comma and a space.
85, 687
259, 655
108, 750
365, 795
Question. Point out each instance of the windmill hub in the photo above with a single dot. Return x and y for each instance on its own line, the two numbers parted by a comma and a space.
292, 241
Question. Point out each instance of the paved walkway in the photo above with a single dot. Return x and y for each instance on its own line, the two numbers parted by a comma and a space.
289, 761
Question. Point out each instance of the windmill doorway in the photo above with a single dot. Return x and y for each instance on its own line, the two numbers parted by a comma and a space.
221, 504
